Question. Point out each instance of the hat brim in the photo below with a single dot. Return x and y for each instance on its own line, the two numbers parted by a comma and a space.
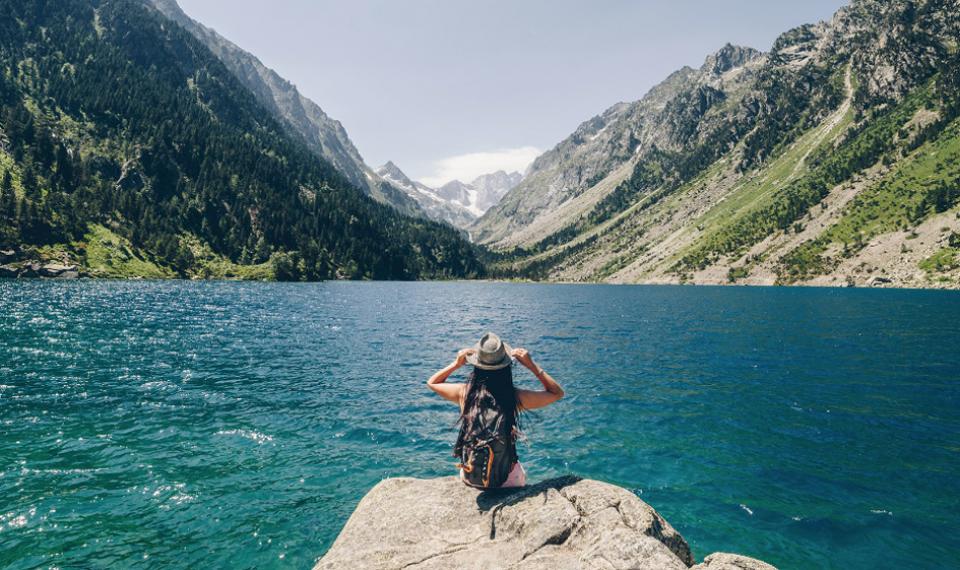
474, 359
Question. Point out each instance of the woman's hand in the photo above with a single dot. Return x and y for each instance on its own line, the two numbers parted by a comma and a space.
523, 357
533, 399
451, 392
463, 354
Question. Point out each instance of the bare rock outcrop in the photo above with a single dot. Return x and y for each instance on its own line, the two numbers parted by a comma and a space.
563, 523
725, 561
16, 263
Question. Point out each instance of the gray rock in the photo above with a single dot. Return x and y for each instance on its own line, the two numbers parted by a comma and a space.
130, 178
9, 271
55, 270
7, 255
31, 269
558, 524
724, 561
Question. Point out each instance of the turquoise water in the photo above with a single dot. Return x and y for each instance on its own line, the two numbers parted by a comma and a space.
176, 424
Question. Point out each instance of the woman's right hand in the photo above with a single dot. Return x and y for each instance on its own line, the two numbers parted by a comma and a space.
463, 354
523, 357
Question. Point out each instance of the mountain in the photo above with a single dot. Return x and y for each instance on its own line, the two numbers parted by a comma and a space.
300, 115
604, 148
435, 206
482, 193
832, 159
491, 188
128, 148
455, 202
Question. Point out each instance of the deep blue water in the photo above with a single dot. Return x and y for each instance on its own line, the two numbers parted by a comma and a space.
177, 424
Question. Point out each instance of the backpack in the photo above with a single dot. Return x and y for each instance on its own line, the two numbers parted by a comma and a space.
488, 459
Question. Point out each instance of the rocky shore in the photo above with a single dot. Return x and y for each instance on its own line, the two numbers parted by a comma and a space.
559, 524
16, 263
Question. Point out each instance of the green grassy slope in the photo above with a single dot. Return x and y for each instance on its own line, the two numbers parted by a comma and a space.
924, 183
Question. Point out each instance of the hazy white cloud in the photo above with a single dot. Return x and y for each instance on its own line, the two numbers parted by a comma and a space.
466, 167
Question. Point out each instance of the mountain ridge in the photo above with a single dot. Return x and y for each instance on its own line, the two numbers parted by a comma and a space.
830, 160
456, 202
599, 147
325, 135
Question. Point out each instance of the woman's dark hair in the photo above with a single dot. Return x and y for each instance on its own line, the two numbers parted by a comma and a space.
488, 389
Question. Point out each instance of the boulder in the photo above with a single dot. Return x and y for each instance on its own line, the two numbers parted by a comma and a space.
559, 524
7, 256
9, 271
31, 269
56, 270
724, 561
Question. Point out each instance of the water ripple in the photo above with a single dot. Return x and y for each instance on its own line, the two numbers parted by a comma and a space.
177, 424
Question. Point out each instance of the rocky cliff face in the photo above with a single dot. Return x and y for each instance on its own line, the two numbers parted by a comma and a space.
323, 134
456, 202
491, 188
561, 523
832, 159
608, 144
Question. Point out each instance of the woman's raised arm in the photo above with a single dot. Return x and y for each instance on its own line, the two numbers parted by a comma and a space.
452, 392
533, 399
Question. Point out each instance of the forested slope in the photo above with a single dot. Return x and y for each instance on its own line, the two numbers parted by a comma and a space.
303, 118
126, 147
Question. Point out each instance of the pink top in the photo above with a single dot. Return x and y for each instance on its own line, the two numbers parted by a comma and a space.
516, 478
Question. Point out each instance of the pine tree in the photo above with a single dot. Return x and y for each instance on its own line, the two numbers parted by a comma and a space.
65, 172
262, 251
8, 207
31, 187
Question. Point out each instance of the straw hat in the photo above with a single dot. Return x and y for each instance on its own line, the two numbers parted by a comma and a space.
491, 353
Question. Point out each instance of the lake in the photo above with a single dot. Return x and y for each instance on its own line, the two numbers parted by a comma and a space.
180, 424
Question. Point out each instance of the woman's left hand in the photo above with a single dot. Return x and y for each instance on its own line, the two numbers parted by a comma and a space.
463, 354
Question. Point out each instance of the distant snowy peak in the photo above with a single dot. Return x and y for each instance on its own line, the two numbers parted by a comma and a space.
457, 192
456, 202
427, 198
492, 187
392, 173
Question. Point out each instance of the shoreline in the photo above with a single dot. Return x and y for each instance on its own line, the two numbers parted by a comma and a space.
75, 273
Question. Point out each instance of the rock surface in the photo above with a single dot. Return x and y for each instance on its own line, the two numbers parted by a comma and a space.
9, 271
22, 266
58, 270
724, 561
563, 523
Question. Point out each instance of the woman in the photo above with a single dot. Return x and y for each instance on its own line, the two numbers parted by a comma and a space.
490, 410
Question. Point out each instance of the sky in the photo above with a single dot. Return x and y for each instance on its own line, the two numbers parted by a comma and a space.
457, 88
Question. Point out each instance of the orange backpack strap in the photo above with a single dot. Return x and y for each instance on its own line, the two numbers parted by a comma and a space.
489, 469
